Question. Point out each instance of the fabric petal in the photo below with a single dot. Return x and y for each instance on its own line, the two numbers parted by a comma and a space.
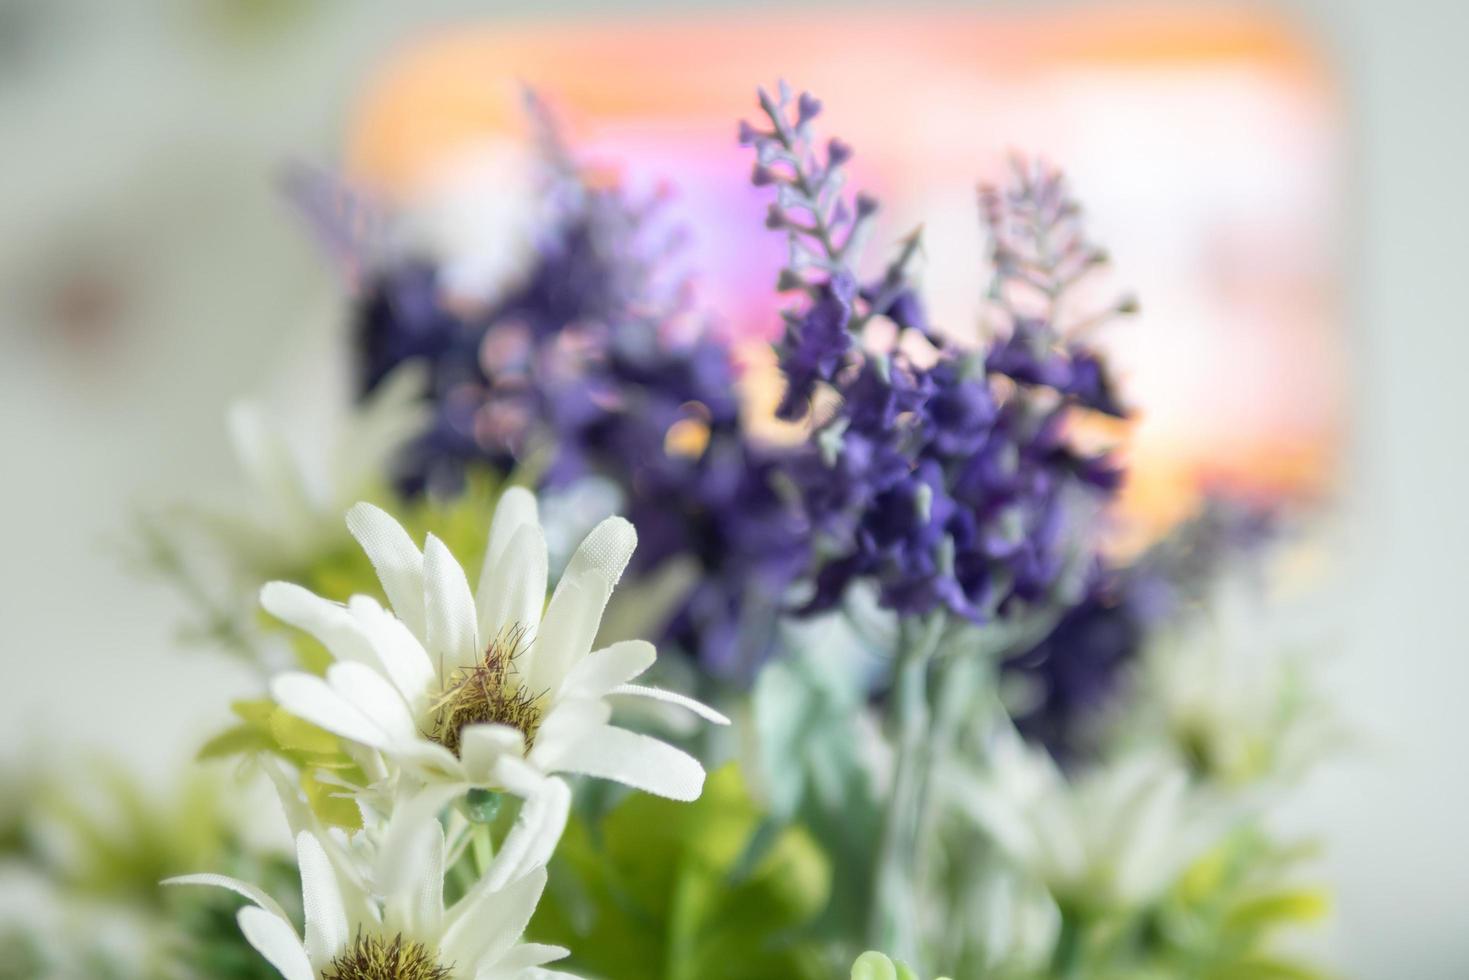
488, 922
481, 746
538, 826
402, 656
377, 699
274, 939
242, 888
527, 955
523, 962
328, 621
604, 669
638, 761
395, 558
429, 761
570, 624
410, 870
308, 696
327, 931
567, 724
514, 592
672, 697
449, 608
517, 508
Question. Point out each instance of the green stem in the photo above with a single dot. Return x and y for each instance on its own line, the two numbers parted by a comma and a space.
483, 846
893, 924
1067, 962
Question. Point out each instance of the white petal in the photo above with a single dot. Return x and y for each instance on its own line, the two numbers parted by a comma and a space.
568, 723
411, 866
375, 429
516, 509
570, 624
321, 897
275, 940
430, 761
242, 888
604, 669
527, 955
637, 761
269, 464
607, 548
538, 826
310, 697
512, 592
1001, 818
1150, 829
328, 621
481, 746
377, 699
658, 694
402, 656
449, 608
487, 923
395, 558
301, 819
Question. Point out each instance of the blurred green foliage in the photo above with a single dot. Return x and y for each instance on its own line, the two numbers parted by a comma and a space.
661, 890
104, 842
1220, 921
266, 727
876, 966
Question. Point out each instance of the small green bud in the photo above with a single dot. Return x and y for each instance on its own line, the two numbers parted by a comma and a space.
483, 805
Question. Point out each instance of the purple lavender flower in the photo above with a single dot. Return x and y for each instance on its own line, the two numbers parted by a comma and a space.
815, 345
950, 482
590, 365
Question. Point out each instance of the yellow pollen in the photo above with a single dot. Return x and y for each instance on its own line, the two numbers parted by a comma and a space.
490, 692
376, 958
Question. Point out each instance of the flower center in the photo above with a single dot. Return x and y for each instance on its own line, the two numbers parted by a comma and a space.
376, 958
490, 692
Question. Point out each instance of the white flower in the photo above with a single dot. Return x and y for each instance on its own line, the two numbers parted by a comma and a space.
1229, 690
1015, 922
1117, 836
293, 512
393, 910
478, 688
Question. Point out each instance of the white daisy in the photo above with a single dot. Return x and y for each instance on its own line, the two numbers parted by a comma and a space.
1116, 836
293, 513
476, 687
1231, 691
396, 928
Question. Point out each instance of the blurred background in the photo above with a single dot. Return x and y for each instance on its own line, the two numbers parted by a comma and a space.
1279, 182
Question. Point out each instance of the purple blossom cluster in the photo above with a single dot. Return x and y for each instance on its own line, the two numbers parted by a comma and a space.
592, 366
949, 478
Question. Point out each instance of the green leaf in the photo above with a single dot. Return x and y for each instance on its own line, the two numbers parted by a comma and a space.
239, 740
255, 710
653, 891
325, 801
1265, 968
1292, 907
805, 718
295, 734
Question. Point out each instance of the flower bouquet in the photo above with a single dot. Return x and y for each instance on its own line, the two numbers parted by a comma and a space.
571, 665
